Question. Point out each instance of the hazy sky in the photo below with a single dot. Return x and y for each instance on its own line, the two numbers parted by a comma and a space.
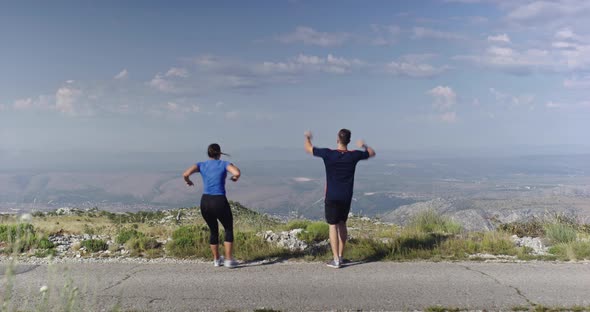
171, 75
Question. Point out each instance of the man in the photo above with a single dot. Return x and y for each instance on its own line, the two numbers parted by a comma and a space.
340, 167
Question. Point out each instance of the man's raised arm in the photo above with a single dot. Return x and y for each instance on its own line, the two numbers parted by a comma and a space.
363, 145
308, 145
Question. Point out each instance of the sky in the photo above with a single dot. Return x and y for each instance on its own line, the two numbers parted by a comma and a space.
169, 76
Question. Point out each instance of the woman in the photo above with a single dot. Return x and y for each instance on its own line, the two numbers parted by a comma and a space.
214, 204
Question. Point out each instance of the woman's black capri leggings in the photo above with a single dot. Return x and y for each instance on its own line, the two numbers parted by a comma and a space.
213, 208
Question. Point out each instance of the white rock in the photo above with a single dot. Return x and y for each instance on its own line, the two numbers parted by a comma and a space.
26, 218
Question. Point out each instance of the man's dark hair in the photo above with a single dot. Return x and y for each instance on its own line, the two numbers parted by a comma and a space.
344, 136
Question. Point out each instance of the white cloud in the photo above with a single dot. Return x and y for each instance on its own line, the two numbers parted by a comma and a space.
177, 72
428, 33
548, 11
122, 75
310, 36
579, 82
171, 106
449, 117
160, 83
511, 60
175, 107
566, 34
502, 38
23, 104
302, 179
444, 97
310, 63
386, 34
414, 69
66, 99
70, 81
553, 105
523, 100
232, 115
42, 102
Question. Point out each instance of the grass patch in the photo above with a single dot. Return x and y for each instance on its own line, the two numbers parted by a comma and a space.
144, 246
95, 245
297, 224
315, 232
18, 237
249, 247
532, 228
430, 221
193, 241
560, 232
571, 251
365, 249
126, 234
189, 241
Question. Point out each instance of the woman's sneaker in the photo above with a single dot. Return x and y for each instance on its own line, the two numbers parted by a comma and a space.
230, 263
334, 264
218, 262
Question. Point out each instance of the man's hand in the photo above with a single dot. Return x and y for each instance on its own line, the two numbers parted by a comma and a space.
189, 182
234, 178
361, 144
307, 144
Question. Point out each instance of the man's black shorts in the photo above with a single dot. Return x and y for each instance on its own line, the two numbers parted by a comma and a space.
337, 211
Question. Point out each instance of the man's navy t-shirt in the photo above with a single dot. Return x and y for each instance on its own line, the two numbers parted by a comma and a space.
340, 167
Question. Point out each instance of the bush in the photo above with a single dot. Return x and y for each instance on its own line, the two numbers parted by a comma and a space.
19, 237
560, 233
572, 251
95, 245
45, 243
366, 249
297, 224
189, 241
127, 234
532, 228
249, 246
315, 232
429, 221
140, 245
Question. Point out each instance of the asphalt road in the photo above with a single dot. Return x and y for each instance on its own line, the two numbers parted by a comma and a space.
299, 286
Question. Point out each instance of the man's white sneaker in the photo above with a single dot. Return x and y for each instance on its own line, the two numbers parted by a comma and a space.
230, 263
334, 264
218, 262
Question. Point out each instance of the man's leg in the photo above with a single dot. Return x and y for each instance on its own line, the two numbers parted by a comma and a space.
342, 236
331, 211
334, 240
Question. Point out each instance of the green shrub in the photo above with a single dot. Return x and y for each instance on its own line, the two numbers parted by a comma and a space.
572, 250
19, 237
429, 221
497, 244
315, 232
95, 245
189, 241
249, 246
45, 243
364, 249
297, 224
560, 233
126, 234
140, 245
532, 228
